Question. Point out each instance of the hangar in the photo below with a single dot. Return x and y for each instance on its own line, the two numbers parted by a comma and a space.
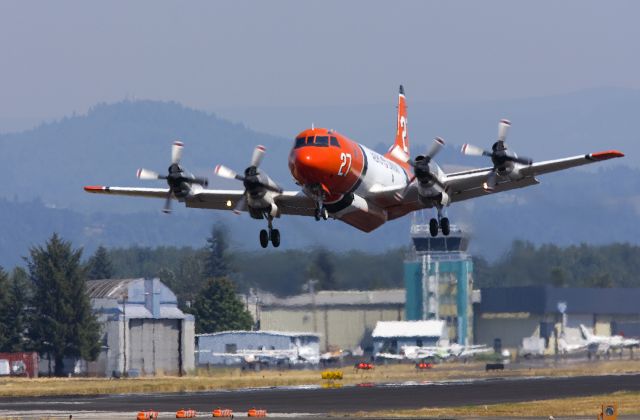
507, 315
144, 331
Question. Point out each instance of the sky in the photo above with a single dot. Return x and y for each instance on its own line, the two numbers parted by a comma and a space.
65, 56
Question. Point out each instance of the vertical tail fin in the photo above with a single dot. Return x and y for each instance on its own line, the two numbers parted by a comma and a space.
400, 149
585, 332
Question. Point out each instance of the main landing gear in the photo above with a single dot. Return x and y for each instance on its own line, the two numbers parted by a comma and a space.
442, 222
270, 234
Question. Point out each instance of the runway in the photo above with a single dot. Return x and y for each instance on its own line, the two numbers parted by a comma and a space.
337, 400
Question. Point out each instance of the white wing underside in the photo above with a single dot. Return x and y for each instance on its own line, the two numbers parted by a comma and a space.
460, 186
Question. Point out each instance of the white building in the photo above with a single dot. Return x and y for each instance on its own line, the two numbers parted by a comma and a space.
391, 336
144, 331
267, 347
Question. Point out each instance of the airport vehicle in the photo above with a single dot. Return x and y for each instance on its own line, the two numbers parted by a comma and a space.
344, 180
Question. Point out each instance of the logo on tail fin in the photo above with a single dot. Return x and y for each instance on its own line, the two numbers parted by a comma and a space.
400, 149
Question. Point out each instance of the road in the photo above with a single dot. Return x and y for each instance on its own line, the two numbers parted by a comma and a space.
345, 399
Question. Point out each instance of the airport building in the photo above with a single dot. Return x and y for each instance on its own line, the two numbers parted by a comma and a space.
343, 319
509, 316
143, 330
438, 277
266, 347
391, 336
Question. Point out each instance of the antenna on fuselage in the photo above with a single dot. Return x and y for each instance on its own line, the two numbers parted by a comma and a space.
313, 126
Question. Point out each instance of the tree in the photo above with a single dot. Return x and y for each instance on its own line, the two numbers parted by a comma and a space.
217, 308
216, 262
16, 315
99, 266
4, 309
63, 324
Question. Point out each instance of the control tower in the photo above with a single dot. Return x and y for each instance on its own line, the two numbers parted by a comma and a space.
438, 277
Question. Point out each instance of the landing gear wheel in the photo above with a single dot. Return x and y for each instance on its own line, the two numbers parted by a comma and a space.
433, 227
444, 224
324, 213
264, 238
317, 215
275, 238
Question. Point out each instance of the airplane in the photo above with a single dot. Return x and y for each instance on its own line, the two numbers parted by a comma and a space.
344, 180
604, 342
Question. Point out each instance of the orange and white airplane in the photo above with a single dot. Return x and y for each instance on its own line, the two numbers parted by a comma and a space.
344, 180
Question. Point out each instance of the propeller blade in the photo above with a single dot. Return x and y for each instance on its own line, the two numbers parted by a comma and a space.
272, 188
167, 204
258, 154
225, 172
471, 150
241, 205
146, 174
490, 183
176, 151
521, 159
401, 195
435, 148
200, 180
503, 129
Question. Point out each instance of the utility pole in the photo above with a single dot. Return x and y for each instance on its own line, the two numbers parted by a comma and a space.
125, 296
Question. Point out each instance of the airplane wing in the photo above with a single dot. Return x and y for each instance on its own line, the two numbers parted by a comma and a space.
289, 202
464, 185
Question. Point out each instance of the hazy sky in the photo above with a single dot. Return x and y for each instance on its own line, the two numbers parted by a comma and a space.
64, 56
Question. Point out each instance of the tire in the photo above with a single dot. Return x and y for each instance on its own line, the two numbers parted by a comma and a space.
433, 227
324, 213
444, 224
264, 238
275, 238
317, 215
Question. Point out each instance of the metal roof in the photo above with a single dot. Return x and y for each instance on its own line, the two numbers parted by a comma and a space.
336, 298
406, 329
112, 288
279, 333
545, 299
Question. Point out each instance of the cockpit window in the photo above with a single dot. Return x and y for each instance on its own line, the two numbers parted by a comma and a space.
322, 141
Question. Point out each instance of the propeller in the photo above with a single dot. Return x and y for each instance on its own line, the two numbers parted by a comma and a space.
252, 179
499, 154
178, 179
420, 165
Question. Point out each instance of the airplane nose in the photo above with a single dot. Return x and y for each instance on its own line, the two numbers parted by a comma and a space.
310, 165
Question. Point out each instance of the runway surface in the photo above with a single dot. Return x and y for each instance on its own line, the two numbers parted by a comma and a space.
345, 399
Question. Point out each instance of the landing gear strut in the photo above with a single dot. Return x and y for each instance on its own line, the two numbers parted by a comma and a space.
321, 211
270, 234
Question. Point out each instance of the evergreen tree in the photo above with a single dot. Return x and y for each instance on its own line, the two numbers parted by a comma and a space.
63, 324
216, 262
16, 319
217, 308
99, 265
4, 310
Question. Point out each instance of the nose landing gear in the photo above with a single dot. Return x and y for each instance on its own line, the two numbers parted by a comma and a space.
270, 234
321, 211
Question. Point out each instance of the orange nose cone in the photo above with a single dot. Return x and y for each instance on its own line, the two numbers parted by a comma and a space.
310, 166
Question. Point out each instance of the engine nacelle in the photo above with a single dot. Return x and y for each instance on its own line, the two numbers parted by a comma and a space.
353, 202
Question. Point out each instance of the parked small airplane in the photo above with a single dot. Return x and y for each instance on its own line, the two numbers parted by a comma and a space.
605, 342
345, 180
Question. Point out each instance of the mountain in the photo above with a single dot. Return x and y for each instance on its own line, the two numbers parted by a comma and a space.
45, 169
